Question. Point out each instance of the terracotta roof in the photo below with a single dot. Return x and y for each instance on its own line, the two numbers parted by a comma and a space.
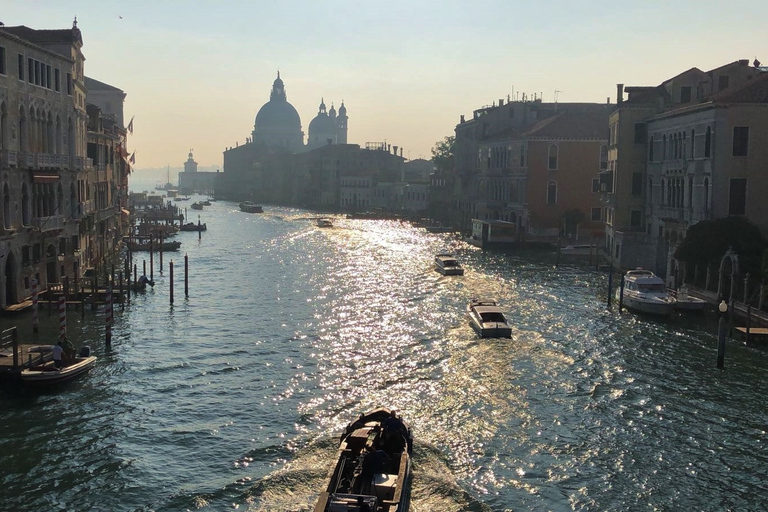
751, 91
591, 124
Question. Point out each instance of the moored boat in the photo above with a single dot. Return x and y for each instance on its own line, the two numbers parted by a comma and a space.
144, 245
373, 470
686, 302
448, 265
645, 292
197, 206
191, 226
487, 319
250, 207
47, 374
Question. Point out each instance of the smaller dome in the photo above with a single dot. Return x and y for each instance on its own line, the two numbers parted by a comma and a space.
322, 126
342, 109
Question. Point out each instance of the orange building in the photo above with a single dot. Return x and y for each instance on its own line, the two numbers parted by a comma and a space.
566, 152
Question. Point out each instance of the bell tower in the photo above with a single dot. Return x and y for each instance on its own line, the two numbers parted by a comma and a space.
341, 124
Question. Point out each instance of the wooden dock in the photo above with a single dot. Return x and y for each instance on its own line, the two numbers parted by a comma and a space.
15, 356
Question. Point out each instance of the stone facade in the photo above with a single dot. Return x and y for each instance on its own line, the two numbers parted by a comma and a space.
61, 211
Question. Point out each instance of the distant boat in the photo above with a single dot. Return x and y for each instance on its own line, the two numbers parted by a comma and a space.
144, 245
191, 226
250, 207
197, 206
324, 223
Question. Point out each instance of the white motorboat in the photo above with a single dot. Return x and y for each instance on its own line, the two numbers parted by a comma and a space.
448, 265
488, 320
645, 292
685, 302
324, 223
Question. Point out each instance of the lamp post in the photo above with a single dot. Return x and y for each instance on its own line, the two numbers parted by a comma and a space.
723, 308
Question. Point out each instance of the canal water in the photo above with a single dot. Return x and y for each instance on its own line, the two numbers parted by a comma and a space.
229, 399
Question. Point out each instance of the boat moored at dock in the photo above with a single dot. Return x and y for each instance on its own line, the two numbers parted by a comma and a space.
373, 470
645, 292
48, 374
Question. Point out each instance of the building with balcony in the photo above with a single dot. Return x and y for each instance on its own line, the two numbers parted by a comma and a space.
705, 162
48, 183
631, 238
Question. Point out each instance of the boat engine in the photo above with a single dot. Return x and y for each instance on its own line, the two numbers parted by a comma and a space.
85, 351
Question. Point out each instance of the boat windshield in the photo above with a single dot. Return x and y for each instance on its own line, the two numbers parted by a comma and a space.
493, 317
450, 263
652, 288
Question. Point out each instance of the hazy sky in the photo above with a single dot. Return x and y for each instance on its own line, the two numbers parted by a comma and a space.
196, 73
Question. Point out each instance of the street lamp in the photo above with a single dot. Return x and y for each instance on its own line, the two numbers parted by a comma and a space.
723, 308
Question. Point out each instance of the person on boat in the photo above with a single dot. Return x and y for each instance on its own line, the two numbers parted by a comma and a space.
143, 280
69, 348
395, 433
59, 355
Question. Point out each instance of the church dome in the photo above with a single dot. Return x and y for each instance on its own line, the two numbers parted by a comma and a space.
277, 115
322, 128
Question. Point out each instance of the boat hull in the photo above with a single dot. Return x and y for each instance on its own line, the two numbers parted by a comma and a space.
47, 375
648, 307
487, 320
450, 271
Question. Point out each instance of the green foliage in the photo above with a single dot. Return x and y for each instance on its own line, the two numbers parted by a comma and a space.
442, 154
706, 243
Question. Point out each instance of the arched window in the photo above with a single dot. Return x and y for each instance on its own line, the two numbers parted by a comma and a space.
553, 151
650, 149
693, 143
522, 156
650, 191
663, 195
683, 154
708, 143
552, 192
664, 148
26, 217
706, 194
7, 207
690, 191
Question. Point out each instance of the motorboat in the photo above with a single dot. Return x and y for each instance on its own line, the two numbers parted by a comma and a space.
686, 302
191, 226
487, 319
155, 245
251, 207
645, 292
197, 206
373, 470
47, 374
324, 223
448, 265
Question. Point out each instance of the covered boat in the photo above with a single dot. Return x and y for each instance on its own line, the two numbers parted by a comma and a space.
373, 470
645, 292
250, 207
324, 223
448, 265
487, 319
191, 226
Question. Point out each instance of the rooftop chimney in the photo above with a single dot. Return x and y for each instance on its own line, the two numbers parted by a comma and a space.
619, 93
462, 118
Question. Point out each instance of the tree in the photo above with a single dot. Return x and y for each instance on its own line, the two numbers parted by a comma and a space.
442, 154
705, 244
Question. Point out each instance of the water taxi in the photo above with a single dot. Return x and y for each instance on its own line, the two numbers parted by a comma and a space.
251, 207
448, 265
487, 319
324, 223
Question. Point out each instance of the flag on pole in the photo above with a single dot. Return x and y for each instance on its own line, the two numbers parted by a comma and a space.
130, 125
133, 158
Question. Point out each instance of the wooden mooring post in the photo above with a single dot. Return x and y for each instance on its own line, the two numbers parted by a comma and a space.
610, 285
35, 327
186, 276
170, 269
621, 293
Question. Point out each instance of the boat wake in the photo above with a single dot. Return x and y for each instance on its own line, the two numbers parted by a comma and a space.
296, 487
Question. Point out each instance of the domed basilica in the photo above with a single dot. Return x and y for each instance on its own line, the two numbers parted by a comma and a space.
278, 124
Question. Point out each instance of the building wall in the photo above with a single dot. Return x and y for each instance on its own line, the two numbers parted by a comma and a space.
578, 163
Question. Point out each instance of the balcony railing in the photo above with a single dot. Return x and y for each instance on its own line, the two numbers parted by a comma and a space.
8, 158
87, 207
107, 213
50, 223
